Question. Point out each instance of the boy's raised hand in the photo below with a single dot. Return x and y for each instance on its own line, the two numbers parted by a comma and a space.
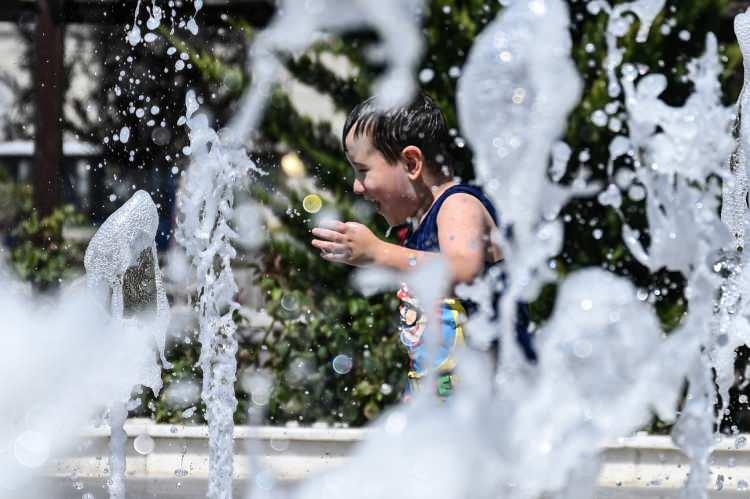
347, 242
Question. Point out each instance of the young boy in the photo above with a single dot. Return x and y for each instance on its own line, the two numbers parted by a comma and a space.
402, 165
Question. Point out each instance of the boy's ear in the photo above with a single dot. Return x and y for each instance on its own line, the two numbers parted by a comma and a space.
414, 161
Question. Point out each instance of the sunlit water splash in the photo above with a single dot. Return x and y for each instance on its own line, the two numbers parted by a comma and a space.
512, 113
119, 245
206, 206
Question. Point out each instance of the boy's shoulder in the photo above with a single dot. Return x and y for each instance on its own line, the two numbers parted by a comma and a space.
465, 202
462, 209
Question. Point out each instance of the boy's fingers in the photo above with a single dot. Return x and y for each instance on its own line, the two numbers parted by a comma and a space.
329, 246
333, 225
330, 235
335, 257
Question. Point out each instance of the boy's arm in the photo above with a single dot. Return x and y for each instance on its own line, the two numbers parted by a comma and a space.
355, 244
463, 236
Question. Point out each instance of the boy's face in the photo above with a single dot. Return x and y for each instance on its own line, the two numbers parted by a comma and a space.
387, 185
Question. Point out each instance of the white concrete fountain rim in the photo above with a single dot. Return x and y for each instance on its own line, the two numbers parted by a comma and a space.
140, 426
649, 463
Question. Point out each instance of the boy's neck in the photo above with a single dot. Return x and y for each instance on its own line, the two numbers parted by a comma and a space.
431, 192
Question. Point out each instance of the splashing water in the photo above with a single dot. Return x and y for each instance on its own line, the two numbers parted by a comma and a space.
512, 114
619, 25
602, 357
597, 392
206, 207
297, 25
64, 359
123, 242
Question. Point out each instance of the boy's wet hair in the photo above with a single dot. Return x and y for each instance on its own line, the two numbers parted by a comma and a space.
419, 124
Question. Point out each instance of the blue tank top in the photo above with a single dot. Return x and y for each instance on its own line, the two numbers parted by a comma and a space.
425, 238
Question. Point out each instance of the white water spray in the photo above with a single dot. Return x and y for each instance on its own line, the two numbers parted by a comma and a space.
124, 241
206, 207
299, 24
512, 113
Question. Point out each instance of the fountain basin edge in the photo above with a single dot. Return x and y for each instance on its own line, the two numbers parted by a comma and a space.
180, 452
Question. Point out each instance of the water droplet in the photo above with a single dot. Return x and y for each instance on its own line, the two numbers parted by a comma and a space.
395, 423
586, 305
426, 75
289, 303
637, 193
192, 26
264, 480
739, 443
719, 482
88, 495
412, 261
180, 473
124, 134
386, 389
188, 413
597, 233
599, 118
741, 485
257, 384
312, 203
519, 95
144, 444
134, 36
298, 371
31, 449
342, 364
279, 444
78, 485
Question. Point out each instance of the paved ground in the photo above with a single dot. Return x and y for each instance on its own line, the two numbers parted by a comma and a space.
196, 489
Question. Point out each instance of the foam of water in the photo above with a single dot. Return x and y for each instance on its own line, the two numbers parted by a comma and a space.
116, 247
65, 358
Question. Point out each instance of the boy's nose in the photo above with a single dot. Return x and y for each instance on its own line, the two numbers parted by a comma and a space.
358, 187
